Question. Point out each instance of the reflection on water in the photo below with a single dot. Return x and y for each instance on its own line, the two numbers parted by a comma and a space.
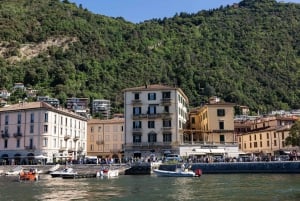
148, 188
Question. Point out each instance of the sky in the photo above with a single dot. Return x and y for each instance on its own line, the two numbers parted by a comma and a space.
140, 10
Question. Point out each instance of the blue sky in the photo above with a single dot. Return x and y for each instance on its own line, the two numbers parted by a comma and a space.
140, 10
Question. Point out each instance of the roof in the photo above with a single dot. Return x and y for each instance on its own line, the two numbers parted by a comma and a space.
39, 105
106, 121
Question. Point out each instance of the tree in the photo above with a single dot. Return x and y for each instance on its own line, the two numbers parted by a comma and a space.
294, 135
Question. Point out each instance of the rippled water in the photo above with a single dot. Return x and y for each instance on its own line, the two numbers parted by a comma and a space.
145, 188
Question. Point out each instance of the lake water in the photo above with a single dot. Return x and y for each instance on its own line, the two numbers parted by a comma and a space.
275, 187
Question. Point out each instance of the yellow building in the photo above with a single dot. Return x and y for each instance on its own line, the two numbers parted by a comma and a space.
267, 135
105, 138
212, 123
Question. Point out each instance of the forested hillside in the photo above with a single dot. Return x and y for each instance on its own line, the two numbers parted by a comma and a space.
247, 53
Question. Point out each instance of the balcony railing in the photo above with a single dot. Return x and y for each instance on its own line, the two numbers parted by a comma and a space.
71, 150
80, 149
136, 101
30, 147
98, 142
18, 135
66, 137
166, 101
61, 149
76, 138
5, 135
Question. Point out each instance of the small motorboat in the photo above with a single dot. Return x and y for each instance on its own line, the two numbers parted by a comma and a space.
29, 175
179, 172
14, 172
65, 172
108, 173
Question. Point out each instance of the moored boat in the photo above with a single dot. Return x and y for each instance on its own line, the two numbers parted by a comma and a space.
179, 172
108, 173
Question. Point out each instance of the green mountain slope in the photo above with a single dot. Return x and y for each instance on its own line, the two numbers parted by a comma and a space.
248, 53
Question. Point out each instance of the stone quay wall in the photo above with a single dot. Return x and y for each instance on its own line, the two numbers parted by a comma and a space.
242, 167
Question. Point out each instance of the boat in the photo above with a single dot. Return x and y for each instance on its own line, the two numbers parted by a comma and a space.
14, 172
53, 169
29, 175
179, 172
108, 173
65, 172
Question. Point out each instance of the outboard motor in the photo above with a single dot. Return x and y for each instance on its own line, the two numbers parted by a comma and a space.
198, 172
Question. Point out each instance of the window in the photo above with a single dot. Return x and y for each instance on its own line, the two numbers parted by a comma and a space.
274, 134
137, 110
19, 129
136, 138
167, 137
45, 128
137, 124
220, 112
275, 142
5, 143
19, 118
152, 137
260, 144
167, 123
6, 119
92, 129
268, 136
46, 117
193, 120
136, 96
166, 95
45, 142
222, 138
166, 109
221, 125
151, 96
32, 118
31, 128
18, 143
268, 143
151, 124
255, 144
152, 109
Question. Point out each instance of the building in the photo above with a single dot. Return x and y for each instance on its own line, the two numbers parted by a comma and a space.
101, 108
266, 135
211, 130
52, 101
155, 117
4, 94
105, 138
78, 105
38, 130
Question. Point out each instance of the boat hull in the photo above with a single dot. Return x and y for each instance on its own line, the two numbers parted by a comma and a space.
164, 173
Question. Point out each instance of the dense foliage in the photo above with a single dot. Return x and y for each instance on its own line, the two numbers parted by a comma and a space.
248, 53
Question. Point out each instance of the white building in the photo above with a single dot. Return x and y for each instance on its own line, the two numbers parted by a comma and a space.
155, 116
102, 107
37, 130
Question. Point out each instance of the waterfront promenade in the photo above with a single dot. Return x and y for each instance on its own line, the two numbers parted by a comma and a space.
207, 168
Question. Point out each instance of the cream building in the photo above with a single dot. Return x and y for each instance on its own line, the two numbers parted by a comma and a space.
155, 116
105, 138
37, 131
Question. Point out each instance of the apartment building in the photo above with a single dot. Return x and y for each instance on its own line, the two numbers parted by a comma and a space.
266, 135
155, 117
101, 107
105, 138
37, 130
211, 129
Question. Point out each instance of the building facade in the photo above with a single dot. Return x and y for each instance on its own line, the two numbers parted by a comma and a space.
37, 130
266, 136
155, 117
101, 107
105, 138
211, 130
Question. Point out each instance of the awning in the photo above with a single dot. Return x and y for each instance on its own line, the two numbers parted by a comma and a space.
217, 151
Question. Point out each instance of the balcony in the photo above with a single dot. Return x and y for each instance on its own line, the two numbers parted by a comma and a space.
80, 149
5, 135
139, 116
66, 137
71, 150
76, 138
30, 148
166, 128
62, 149
98, 142
18, 135
136, 101
166, 101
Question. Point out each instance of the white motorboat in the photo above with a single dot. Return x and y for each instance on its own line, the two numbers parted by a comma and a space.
108, 173
65, 172
179, 172
15, 171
